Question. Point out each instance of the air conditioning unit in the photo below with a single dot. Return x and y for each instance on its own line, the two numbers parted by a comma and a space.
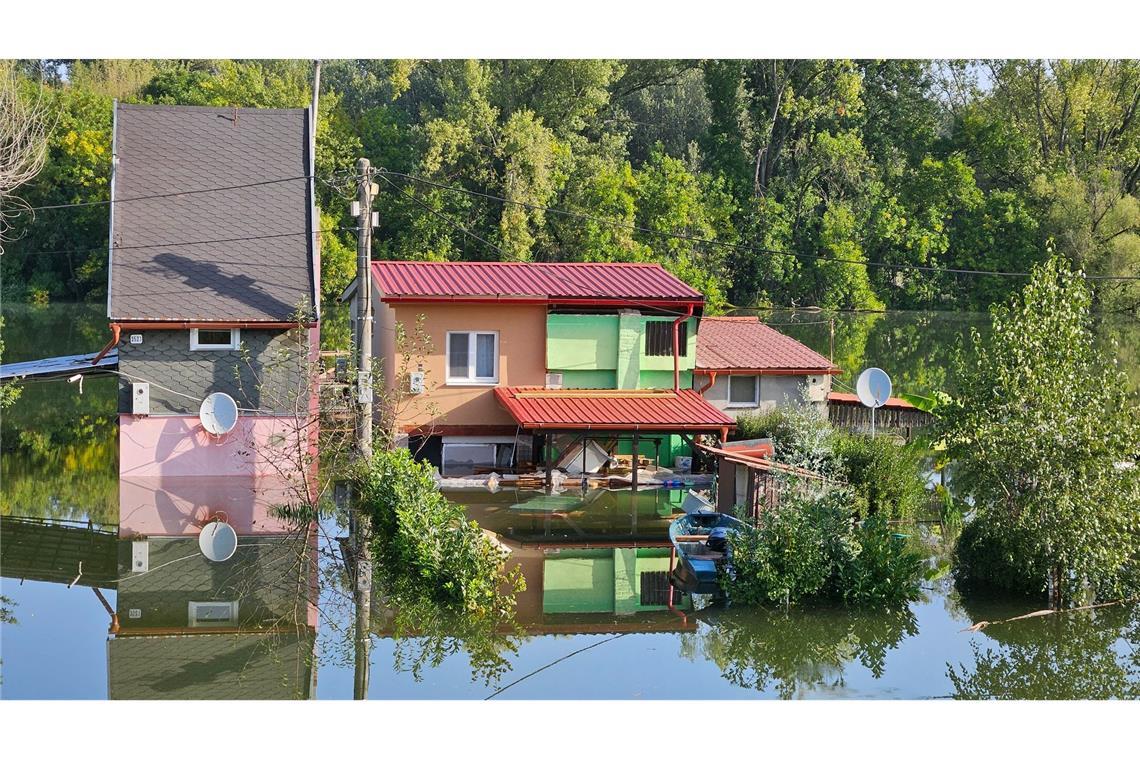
415, 382
554, 380
140, 399
206, 614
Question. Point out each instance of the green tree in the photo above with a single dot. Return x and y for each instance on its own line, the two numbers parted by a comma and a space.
1040, 430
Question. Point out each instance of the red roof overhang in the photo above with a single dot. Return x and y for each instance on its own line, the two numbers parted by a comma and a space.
508, 300
850, 398
768, 370
612, 410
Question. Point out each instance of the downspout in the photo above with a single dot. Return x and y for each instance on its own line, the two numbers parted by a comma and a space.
709, 384
677, 349
115, 330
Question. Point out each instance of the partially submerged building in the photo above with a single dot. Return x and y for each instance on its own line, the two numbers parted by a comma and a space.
746, 366
506, 365
213, 280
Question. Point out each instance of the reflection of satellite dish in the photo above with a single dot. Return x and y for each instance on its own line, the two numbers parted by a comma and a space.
873, 387
219, 413
217, 541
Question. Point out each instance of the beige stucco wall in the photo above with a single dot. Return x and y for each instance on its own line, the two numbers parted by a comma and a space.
522, 358
775, 390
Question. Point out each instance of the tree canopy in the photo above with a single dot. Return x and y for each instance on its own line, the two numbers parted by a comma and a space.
834, 183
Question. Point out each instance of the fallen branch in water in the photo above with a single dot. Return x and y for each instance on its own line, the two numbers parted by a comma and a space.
1041, 613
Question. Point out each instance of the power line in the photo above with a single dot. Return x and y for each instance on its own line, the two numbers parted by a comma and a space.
189, 242
734, 246
165, 195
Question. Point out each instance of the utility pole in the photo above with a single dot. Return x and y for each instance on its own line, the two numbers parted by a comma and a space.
364, 307
359, 522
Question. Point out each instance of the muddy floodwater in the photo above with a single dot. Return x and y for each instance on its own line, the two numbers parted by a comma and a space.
594, 621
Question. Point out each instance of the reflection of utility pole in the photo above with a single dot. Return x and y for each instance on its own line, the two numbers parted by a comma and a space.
359, 523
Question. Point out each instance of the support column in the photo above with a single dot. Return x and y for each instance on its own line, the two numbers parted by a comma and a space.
548, 456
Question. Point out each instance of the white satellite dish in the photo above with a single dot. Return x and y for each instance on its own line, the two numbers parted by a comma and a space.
217, 541
219, 413
874, 389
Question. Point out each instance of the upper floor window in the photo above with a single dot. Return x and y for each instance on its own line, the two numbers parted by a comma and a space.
473, 357
202, 339
659, 338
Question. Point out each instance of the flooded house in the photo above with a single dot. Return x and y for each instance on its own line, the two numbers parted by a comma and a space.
213, 282
508, 366
745, 366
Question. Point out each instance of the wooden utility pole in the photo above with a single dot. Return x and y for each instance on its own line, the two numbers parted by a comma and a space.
359, 523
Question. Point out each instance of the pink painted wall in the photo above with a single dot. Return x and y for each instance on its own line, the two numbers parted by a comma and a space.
177, 446
180, 506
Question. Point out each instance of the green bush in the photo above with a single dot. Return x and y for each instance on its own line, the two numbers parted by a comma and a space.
985, 557
884, 475
813, 548
423, 544
800, 435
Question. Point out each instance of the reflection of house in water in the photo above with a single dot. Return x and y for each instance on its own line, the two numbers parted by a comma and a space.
592, 588
193, 628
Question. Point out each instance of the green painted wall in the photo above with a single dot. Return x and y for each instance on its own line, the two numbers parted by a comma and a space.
581, 342
587, 378
599, 580
586, 343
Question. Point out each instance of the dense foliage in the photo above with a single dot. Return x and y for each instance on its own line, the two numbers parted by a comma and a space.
747, 178
813, 548
423, 545
1044, 437
884, 476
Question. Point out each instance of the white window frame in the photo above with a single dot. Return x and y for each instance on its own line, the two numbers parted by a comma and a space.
472, 342
233, 345
755, 393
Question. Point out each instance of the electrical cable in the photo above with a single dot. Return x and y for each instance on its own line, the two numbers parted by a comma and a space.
734, 246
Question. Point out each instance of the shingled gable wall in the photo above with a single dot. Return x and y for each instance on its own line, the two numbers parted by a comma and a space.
266, 375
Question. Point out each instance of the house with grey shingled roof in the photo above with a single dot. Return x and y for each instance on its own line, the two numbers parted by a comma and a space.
214, 261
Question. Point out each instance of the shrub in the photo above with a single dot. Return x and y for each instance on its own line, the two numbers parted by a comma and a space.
424, 545
985, 557
800, 435
812, 548
884, 475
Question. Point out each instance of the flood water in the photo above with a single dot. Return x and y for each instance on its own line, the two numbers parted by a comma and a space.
581, 630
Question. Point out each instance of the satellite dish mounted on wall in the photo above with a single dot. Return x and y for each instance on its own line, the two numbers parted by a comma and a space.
219, 413
217, 541
874, 390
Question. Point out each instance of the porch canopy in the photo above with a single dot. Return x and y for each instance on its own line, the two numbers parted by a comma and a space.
613, 412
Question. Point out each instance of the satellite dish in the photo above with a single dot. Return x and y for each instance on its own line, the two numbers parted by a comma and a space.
219, 413
873, 387
217, 541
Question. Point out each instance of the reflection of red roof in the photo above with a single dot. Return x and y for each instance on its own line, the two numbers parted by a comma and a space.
850, 398
541, 409
744, 343
530, 281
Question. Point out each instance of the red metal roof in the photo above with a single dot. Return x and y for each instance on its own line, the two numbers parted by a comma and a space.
746, 344
850, 398
545, 282
663, 410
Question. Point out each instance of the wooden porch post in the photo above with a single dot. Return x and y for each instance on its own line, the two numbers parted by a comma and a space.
548, 455
636, 441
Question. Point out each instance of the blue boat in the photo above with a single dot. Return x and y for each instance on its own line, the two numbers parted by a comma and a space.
700, 544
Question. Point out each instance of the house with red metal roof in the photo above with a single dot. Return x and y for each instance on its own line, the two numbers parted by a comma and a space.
745, 366
503, 365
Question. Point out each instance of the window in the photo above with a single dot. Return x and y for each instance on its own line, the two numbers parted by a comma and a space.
215, 340
473, 358
659, 338
464, 458
743, 390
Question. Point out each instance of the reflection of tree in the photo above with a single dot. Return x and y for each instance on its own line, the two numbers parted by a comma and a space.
427, 634
74, 482
759, 649
1076, 655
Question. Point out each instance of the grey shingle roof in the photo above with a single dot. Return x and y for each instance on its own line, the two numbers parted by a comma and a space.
165, 149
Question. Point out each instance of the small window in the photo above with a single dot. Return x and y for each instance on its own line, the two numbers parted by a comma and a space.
659, 338
202, 339
473, 358
743, 390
